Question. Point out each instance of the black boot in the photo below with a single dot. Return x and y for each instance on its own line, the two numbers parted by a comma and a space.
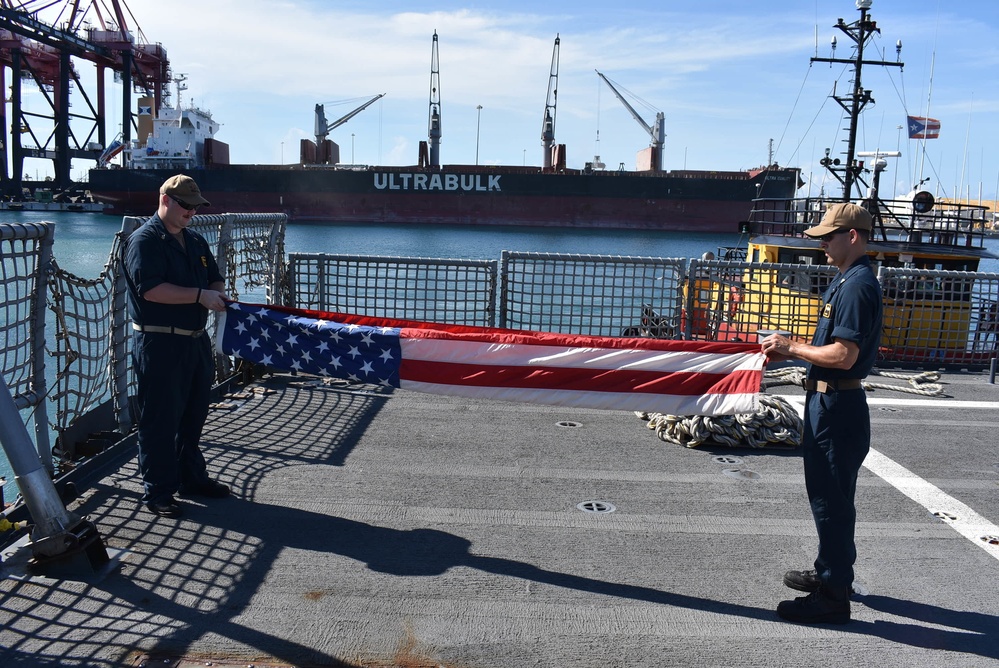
819, 607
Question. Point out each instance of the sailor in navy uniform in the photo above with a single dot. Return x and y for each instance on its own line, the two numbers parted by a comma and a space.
837, 431
173, 281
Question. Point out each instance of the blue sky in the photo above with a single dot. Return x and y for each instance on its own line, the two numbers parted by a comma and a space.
729, 75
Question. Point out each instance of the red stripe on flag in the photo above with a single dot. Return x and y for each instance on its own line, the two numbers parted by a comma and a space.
586, 380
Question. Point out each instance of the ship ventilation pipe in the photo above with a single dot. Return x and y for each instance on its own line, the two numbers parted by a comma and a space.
62, 544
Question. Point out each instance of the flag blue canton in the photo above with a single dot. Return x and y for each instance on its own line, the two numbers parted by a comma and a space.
352, 352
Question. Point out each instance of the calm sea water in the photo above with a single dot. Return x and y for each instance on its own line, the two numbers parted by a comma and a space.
83, 243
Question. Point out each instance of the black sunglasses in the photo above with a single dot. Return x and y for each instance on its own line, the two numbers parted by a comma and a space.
828, 237
184, 205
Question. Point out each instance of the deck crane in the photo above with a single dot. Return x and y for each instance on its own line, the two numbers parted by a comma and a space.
323, 128
657, 132
548, 124
434, 129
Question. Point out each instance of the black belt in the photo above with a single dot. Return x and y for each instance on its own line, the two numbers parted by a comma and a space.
157, 329
829, 386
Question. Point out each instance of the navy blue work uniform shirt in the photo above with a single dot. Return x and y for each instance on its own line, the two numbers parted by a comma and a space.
152, 257
851, 310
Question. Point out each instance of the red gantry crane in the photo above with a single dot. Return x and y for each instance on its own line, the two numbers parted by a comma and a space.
38, 41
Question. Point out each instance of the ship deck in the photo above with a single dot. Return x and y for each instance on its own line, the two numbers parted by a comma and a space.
401, 529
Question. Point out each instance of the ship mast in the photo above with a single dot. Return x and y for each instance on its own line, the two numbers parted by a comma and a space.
548, 124
860, 32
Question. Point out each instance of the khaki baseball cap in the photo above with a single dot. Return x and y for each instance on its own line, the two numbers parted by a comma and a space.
842, 216
185, 189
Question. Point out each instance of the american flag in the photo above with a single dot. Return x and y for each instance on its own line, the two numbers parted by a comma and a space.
654, 375
921, 127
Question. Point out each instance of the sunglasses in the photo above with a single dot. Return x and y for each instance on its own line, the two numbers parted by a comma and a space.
184, 205
828, 237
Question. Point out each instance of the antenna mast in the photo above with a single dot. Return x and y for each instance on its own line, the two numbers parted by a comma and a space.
860, 32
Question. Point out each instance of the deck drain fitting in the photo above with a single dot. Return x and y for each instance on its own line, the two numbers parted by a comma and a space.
991, 540
742, 474
568, 424
596, 507
723, 459
888, 409
947, 517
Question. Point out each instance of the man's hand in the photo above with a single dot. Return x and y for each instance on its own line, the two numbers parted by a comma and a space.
777, 348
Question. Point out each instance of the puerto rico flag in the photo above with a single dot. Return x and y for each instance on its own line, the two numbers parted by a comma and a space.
921, 127
653, 375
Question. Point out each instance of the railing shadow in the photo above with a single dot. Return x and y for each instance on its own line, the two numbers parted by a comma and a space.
200, 575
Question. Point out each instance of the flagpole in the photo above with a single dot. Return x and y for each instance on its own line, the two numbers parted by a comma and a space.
929, 96
967, 138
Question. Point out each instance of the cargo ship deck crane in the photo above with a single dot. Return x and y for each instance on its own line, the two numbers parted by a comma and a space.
434, 129
323, 128
657, 131
548, 124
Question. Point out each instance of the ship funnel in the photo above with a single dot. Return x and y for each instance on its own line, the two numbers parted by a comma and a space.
147, 112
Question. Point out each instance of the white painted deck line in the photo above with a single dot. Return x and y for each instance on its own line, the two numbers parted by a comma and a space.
962, 518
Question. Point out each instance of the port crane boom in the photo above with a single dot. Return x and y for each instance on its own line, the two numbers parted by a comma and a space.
657, 131
323, 128
548, 124
434, 122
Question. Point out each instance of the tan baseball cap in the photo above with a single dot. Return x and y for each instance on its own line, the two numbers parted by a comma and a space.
842, 216
185, 189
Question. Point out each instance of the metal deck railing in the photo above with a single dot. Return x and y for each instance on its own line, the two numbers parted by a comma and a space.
903, 221
79, 348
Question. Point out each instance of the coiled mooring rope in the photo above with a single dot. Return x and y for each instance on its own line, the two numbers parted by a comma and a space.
776, 423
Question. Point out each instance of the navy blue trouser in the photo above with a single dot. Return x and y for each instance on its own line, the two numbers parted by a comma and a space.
835, 442
174, 375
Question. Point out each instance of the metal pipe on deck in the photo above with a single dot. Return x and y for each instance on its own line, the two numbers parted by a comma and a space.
44, 504
59, 538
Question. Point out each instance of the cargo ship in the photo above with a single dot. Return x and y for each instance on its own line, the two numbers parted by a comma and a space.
321, 188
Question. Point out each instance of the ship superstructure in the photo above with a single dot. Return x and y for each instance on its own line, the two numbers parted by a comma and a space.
174, 138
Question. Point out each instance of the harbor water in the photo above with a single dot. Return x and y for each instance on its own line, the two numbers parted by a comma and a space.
83, 242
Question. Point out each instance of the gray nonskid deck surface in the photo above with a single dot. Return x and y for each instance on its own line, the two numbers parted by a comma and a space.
401, 529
